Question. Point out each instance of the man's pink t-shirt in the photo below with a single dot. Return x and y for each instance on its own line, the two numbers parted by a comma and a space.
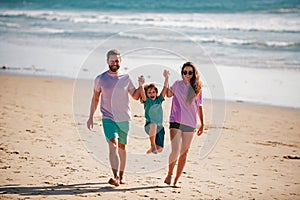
114, 96
181, 111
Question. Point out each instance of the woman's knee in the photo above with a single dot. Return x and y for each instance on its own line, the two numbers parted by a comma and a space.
184, 152
175, 152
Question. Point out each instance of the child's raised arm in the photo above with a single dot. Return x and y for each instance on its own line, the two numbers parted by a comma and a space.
166, 74
141, 82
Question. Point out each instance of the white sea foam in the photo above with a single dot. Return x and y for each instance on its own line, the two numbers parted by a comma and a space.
211, 39
49, 30
10, 25
242, 21
267, 40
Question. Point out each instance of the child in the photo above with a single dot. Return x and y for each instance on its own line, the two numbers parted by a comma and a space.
154, 114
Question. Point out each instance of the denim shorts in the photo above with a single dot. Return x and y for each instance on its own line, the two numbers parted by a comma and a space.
116, 130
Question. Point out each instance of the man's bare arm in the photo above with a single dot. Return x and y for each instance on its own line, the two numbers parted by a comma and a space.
94, 105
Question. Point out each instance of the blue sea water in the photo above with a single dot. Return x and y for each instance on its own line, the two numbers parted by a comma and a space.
162, 6
55, 37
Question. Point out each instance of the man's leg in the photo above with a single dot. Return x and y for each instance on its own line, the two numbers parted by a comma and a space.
123, 157
114, 160
110, 130
122, 141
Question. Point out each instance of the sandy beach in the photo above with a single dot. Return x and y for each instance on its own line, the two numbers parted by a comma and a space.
43, 157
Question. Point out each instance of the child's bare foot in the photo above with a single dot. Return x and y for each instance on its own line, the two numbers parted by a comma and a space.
159, 148
114, 181
149, 151
152, 150
168, 180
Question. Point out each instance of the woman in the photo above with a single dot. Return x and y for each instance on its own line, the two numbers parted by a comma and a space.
186, 104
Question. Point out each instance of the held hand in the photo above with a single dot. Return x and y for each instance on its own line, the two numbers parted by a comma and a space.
200, 130
141, 80
166, 73
90, 123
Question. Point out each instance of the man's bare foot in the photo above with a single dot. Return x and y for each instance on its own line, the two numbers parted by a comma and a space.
114, 181
168, 180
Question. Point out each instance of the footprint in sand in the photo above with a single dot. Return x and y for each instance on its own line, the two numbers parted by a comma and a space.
292, 157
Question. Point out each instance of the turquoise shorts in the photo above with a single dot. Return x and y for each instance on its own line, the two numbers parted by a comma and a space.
116, 130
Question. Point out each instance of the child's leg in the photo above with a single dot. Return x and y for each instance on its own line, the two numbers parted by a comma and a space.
152, 135
160, 137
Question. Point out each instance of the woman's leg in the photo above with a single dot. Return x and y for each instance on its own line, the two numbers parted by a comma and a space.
187, 138
175, 136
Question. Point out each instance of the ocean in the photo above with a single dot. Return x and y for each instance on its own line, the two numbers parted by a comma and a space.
250, 48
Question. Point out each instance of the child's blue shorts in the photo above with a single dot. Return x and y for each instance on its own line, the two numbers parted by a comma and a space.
160, 134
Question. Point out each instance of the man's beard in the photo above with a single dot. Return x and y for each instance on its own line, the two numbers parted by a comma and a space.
114, 68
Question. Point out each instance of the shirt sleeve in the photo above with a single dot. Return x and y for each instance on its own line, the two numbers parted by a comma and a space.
173, 87
147, 100
97, 86
199, 99
161, 98
130, 85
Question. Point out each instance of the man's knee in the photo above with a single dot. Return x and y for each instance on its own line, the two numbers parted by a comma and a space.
122, 146
112, 144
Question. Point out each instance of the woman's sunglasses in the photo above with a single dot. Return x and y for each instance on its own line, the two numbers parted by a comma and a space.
188, 72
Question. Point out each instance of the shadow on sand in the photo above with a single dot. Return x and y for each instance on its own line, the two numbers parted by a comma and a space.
72, 189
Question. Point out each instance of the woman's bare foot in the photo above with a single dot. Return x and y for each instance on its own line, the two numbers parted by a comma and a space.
114, 181
177, 185
168, 180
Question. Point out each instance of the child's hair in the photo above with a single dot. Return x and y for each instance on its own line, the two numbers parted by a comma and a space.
147, 87
150, 86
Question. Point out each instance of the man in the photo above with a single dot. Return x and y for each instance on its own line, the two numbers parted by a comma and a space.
114, 89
